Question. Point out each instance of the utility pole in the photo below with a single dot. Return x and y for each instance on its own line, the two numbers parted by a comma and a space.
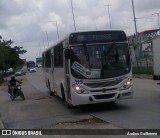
40, 50
158, 15
138, 48
47, 38
73, 16
57, 29
135, 25
109, 16
43, 43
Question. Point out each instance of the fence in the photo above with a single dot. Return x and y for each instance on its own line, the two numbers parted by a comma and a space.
143, 65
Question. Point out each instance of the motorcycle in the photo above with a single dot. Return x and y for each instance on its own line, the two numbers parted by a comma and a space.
16, 92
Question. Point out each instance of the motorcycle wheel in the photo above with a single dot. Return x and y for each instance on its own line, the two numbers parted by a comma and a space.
22, 95
12, 97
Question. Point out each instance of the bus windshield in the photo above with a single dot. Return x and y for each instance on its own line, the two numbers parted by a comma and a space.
100, 61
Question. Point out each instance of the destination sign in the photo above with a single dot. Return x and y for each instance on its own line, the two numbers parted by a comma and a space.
97, 37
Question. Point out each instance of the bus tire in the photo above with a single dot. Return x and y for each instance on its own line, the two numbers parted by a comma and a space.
155, 77
62, 93
68, 105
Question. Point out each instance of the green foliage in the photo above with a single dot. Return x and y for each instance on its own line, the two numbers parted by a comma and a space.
142, 70
1, 79
20, 50
4, 51
9, 57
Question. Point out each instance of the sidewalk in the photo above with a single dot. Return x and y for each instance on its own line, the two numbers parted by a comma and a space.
1, 123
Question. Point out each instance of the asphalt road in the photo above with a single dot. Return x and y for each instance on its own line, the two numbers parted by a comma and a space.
39, 110
141, 112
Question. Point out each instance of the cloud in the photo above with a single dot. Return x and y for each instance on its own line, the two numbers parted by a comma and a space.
29, 22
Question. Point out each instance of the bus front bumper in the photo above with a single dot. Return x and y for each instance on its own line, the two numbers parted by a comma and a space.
93, 98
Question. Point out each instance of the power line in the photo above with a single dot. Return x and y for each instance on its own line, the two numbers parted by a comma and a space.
144, 17
127, 24
56, 28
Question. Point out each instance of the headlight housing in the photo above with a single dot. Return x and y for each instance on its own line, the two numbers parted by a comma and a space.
127, 84
79, 89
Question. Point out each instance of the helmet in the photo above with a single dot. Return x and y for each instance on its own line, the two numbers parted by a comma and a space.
12, 77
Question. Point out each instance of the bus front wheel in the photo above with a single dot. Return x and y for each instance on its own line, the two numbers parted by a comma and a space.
69, 106
49, 87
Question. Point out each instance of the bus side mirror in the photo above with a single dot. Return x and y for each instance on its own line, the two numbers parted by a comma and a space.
68, 53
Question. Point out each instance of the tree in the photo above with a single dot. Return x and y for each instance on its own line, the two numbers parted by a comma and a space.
9, 57
20, 50
3, 55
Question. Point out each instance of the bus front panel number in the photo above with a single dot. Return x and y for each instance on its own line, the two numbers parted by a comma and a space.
78, 81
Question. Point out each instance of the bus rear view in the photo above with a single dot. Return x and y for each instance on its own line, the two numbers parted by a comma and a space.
99, 67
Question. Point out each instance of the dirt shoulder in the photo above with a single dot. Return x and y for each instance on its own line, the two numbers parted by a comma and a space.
143, 76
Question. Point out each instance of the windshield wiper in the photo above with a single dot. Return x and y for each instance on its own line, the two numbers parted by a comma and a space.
110, 48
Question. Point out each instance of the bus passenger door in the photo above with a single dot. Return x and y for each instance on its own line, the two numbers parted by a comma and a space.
67, 76
52, 71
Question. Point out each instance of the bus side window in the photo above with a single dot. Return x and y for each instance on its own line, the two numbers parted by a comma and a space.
58, 55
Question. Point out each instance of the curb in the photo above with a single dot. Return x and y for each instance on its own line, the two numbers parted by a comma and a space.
142, 76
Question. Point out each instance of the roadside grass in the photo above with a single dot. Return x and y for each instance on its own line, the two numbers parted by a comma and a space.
142, 70
1, 80
2, 77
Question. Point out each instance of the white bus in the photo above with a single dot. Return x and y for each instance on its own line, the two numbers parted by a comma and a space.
89, 67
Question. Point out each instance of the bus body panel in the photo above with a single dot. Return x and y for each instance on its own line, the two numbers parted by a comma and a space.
59, 75
48, 77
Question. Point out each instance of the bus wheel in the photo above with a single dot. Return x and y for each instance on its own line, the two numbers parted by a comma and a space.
68, 105
155, 77
62, 93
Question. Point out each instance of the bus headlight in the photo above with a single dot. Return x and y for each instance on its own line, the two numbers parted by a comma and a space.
127, 84
79, 89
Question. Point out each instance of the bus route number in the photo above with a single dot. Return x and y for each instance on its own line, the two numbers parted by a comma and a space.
78, 81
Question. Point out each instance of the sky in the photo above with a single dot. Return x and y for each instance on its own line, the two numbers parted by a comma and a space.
33, 24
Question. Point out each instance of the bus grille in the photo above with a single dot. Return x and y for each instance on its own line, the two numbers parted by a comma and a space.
103, 84
104, 96
101, 90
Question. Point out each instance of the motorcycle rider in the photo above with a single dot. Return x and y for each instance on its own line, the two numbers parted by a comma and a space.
12, 83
